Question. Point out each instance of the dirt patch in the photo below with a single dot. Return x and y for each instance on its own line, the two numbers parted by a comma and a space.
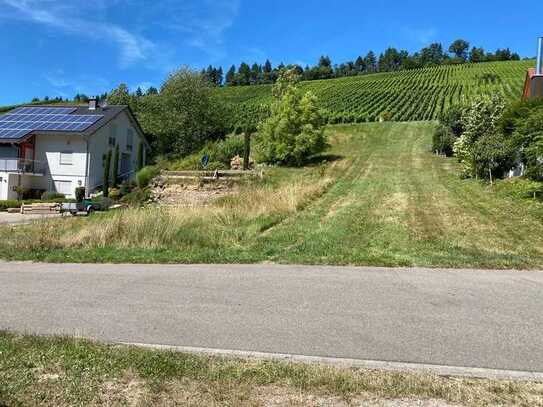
186, 392
44, 376
128, 391
281, 398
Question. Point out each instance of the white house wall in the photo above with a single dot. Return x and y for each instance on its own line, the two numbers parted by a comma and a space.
4, 185
48, 150
99, 146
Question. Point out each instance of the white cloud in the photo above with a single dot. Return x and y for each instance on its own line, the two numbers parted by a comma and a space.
69, 18
155, 35
197, 24
202, 23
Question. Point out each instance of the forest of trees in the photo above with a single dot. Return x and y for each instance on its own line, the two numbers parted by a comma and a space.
391, 59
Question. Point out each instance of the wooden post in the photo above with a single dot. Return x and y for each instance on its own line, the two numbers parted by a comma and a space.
246, 150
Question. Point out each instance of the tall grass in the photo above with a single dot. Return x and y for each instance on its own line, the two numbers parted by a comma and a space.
232, 220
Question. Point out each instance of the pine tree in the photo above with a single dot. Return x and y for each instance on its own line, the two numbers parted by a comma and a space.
244, 74
371, 62
115, 177
360, 65
256, 74
230, 79
267, 72
107, 164
219, 76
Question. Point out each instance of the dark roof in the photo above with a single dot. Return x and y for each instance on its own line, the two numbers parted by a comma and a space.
109, 113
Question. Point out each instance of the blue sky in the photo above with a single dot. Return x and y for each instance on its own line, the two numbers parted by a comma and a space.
60, 48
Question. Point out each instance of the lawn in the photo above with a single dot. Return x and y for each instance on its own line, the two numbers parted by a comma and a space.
379, 197
64, 371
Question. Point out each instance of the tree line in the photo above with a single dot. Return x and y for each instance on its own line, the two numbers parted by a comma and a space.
390, 60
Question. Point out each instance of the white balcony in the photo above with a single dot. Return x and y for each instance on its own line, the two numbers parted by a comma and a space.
22, 166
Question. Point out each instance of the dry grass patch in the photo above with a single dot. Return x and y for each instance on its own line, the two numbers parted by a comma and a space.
158, 227
94, 374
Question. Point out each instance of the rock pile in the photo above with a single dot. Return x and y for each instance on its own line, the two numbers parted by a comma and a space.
236, 163
190, 194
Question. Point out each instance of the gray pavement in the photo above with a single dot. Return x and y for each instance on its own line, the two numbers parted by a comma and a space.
484, 319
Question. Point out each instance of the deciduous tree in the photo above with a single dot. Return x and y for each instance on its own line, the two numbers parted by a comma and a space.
294, 132
460, 49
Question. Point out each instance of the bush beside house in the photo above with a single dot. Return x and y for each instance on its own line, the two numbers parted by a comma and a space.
490, 139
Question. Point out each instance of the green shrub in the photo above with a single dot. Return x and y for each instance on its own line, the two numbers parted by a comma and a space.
114, 193
104, 202
452, 119
220, 153
127, 187
8, 204
47, 196
223, 151
105, 180
516, 113
146, 175
115, 170
140, 159
385, 116
520, 187
137, 197
443, 141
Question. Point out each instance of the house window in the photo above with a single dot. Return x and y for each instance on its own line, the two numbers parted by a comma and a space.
129, 140
66, 158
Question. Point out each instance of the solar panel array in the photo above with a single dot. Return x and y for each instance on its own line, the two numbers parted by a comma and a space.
24, 120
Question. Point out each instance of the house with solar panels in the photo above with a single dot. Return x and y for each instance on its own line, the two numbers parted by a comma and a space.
58, 149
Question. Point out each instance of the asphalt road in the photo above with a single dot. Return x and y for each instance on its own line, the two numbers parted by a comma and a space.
487, 319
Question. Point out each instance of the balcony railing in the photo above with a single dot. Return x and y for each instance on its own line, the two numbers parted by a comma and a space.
21, 166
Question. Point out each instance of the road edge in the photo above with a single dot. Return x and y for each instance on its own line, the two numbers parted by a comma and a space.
407, 367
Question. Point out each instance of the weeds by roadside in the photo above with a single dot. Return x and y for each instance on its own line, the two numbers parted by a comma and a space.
63, 371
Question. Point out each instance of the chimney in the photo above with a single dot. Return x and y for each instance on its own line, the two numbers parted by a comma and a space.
539, 67
93, 104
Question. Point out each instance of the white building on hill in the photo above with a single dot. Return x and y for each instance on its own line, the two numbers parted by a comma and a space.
61, 148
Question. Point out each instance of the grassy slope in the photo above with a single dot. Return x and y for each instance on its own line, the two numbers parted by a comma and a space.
397, 204
385, 201
61, 372
419, 94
